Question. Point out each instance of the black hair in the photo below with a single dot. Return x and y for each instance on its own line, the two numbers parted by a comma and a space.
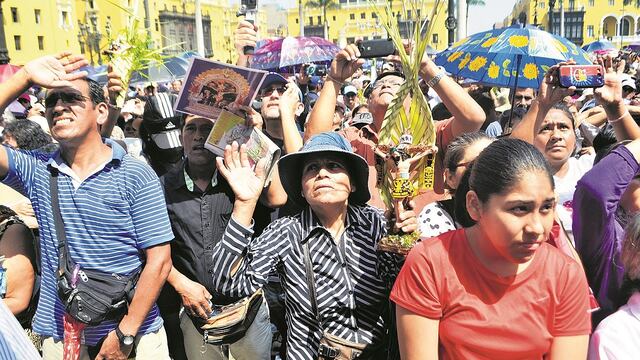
6, 212
28, 134
604, 142
458, 146
96, 92
518, 114
440, 112
482, 97
562, 106
495, 171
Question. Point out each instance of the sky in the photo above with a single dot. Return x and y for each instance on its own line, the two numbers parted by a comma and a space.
483, 17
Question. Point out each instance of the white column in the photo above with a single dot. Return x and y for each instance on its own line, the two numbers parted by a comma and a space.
462, 20
618, 21
561, 18
199, 32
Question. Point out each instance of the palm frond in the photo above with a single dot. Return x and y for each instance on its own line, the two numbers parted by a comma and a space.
417, 120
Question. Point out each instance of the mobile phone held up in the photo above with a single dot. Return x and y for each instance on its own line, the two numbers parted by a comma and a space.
370, 49
248, 9
581, 76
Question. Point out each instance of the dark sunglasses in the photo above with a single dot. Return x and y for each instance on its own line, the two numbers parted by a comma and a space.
66, 97
268, 92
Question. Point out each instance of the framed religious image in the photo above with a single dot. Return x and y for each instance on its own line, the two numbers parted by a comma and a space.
211, 86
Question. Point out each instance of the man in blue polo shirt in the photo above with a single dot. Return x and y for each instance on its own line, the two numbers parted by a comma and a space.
112, 205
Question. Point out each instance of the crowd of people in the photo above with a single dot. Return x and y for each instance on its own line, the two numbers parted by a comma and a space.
529, 241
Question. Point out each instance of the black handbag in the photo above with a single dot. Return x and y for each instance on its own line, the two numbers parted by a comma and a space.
89, 296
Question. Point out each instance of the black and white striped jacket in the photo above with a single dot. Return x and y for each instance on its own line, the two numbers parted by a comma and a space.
351, 296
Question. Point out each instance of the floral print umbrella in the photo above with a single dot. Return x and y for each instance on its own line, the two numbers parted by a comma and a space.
509, 57
290, 51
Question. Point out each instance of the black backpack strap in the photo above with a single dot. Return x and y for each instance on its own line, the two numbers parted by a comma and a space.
59, 224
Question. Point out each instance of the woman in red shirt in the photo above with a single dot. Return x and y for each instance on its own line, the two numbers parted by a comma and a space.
495, 289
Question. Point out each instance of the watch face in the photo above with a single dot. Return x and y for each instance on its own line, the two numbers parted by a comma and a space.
128, 340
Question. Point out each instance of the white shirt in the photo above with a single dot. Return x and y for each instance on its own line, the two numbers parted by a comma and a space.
618, 336
566, 186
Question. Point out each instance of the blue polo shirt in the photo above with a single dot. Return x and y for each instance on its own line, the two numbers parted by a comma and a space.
109, 219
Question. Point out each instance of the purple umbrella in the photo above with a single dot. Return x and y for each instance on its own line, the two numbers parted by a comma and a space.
290, 51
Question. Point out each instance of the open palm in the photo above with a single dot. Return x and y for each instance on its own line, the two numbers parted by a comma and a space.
611, 92
55, 71
246, 183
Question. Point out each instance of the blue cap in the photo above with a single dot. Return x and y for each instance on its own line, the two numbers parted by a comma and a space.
275, 78
290, 167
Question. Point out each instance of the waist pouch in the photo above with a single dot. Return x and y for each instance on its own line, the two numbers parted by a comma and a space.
229, 323
94, 296
336, 348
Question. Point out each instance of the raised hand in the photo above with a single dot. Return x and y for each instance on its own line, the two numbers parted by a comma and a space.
246, 34
114, 85
55, 71
610, 95
345, 64
246, 183
289, 100
550, 91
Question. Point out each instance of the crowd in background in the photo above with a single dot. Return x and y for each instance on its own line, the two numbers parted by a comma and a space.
529, 246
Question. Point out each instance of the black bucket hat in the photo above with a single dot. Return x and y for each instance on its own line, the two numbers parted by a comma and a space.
290, 167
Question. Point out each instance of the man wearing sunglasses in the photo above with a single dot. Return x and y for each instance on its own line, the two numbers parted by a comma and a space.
112, 206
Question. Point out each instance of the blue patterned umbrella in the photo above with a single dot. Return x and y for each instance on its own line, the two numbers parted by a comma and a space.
509, 57
599, 46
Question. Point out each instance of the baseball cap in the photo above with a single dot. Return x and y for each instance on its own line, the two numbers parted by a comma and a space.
275, 78
628, 80
350, 89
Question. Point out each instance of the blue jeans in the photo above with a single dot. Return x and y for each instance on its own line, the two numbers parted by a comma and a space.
255, 345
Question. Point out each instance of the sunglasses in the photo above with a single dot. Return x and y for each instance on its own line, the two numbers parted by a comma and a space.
268, 92
66, 97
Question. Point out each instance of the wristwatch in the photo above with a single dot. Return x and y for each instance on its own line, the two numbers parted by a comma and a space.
124, 339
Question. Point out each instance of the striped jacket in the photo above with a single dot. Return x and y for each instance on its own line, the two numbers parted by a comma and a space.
351, 297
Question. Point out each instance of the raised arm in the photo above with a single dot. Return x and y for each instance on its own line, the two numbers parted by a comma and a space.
114, 88
468, 115
549, 94
242, 265
246, 34
49, 72
610, 97
343, 66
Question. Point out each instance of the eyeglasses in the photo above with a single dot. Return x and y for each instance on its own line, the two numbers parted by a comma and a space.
380, 83
66, 97
522, 97
269, 91
350, 95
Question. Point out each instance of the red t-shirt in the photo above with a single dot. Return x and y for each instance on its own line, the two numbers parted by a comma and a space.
486, 316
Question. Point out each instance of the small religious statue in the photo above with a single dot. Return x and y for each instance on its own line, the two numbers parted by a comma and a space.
401, 161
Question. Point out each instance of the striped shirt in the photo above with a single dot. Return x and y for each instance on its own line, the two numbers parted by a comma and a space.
109, 218
351, 298
14, 343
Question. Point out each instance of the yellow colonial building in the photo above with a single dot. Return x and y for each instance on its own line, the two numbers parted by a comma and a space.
585, 21
37, 27
356, 19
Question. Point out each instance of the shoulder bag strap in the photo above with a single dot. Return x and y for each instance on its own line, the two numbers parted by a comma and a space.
57, 217
310, 281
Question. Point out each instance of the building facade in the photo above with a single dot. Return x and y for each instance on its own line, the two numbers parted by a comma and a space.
584, 21
35, 28
351, 20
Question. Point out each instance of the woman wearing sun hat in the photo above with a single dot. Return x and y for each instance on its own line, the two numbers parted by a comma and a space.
328, 249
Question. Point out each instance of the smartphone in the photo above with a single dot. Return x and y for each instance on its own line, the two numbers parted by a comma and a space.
320, 70
248, 9
581, 76
370, 49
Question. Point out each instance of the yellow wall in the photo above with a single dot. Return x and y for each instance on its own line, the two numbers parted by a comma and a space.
344, 27
601, 15
56, 36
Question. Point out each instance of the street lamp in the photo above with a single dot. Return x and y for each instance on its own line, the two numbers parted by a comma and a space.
97, 36
83, 38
